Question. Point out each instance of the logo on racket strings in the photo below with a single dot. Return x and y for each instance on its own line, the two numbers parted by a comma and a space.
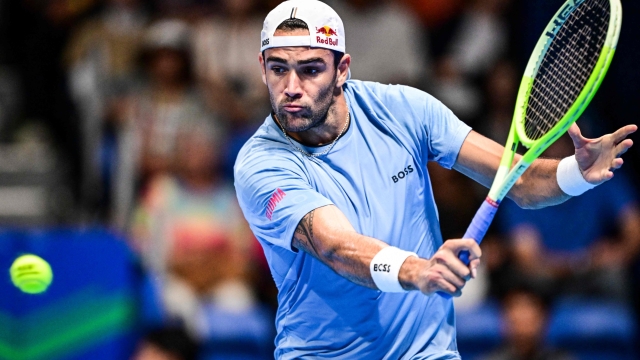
562, 17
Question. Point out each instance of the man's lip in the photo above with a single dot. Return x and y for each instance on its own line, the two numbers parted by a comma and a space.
292, 107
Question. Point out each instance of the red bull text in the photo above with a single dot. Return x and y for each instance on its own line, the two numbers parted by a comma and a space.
327, 32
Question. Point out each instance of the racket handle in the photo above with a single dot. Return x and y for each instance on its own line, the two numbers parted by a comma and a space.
479, 225
477, 229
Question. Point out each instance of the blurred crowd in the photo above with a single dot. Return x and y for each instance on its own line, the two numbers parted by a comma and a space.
129, 114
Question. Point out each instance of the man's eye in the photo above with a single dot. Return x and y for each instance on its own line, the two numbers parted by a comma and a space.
278, 70
311, 71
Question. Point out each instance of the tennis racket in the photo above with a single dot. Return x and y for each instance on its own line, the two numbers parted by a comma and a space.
564, 72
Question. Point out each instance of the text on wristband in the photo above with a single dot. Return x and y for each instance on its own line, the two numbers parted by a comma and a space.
382, 267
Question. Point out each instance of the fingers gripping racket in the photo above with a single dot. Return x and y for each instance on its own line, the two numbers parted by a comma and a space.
564, 72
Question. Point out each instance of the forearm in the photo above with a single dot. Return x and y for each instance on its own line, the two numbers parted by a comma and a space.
348, 253
327, 235
538, 186
479, 159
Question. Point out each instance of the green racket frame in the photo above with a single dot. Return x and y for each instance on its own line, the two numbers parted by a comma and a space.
507, 175
505, 179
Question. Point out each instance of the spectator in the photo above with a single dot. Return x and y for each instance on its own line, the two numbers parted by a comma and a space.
500, 90
525, 317
227, 66
150, 118
189, 230
167, 344
102, 58
105, 48
224, 48
479, 39
37, 34
582, 247
455, 90
386, 41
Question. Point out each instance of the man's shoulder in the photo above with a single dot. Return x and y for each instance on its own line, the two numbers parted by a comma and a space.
390, 94
265, 142
267, 148
373, 86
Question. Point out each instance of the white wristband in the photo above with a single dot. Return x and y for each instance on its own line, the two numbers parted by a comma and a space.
385, 267
570, 178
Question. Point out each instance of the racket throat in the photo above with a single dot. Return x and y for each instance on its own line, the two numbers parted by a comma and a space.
499, 189
497, 183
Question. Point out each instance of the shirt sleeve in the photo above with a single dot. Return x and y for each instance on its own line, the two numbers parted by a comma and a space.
438, 133
274, 194
445, 132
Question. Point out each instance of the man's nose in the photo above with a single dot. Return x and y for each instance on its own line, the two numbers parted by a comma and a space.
293, 89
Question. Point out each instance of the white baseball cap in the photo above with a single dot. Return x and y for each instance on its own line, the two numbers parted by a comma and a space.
325, 26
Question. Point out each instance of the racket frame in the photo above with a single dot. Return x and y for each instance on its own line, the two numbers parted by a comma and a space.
506, 176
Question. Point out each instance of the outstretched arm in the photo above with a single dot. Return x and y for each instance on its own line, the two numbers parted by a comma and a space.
326, 234
538, 187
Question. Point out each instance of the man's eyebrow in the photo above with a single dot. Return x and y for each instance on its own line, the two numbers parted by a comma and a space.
300, 62
276, 59
312, 60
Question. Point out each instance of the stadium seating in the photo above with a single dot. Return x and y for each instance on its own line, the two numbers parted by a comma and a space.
593, 330
478, 329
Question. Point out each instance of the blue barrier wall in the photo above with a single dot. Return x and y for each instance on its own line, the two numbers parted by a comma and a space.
89, 311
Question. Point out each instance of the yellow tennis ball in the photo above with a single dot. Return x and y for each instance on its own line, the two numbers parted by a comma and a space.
31, 274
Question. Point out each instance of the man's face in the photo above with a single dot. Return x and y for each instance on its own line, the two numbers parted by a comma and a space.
301, 83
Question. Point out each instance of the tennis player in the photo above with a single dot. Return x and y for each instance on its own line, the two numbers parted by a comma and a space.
335, 187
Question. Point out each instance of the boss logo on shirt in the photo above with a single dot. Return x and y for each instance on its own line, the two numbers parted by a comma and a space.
402, 174
382, 267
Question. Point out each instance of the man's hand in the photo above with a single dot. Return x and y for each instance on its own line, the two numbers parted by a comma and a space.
444, 272
598, 158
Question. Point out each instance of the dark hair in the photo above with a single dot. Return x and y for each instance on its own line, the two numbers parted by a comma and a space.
295, 24
528, 288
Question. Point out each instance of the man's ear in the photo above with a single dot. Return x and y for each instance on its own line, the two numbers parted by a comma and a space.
343, 69
263, 68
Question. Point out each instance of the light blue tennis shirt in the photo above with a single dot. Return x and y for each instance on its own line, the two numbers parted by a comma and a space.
376, 175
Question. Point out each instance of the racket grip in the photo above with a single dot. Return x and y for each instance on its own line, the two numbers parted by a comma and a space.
479, 225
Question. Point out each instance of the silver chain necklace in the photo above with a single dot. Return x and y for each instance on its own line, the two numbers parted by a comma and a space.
346, 123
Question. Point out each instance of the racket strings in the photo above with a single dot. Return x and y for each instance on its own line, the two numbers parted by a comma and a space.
566, 84
551, 85
576, 60
566, 66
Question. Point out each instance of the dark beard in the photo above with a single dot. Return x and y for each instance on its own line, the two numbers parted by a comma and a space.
314, 117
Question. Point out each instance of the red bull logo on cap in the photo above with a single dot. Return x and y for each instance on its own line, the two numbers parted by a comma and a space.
327, 32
